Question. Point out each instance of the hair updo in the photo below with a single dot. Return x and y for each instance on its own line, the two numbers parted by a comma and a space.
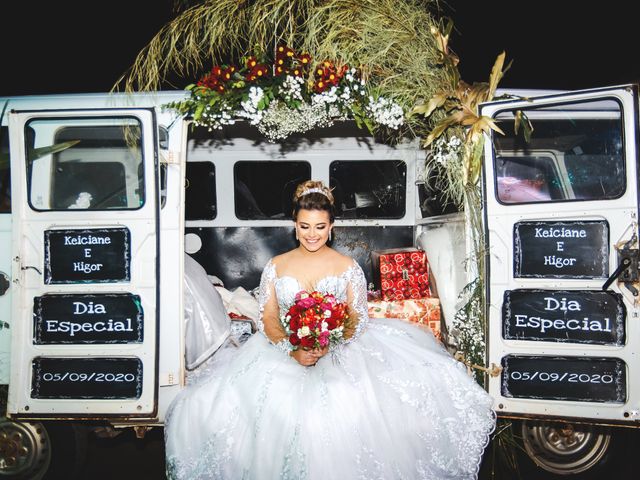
313, 195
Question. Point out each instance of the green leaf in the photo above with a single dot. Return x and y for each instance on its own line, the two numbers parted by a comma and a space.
263, 103
198, 112
440, 128
522, 121
435, 102
496, 75
369, 124
471, 172
35, 153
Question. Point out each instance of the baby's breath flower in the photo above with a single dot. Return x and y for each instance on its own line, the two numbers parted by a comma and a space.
446, 151
386, 112
291, 88
249, 107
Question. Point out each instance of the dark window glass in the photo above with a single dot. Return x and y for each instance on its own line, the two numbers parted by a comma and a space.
264, 190
528, 179
85, 164
433, 200
200, 193
5, 172
369, 189
163, 185
163, 143
163, 138
575, 153
104, 180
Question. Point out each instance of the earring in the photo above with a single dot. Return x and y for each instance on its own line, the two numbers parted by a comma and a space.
296, 230
329, 235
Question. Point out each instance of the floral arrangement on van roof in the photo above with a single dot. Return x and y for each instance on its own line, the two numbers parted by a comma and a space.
286, 95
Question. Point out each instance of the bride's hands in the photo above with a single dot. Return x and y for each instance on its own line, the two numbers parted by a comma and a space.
308, 358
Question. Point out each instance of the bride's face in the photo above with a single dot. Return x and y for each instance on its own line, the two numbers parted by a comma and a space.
312, 228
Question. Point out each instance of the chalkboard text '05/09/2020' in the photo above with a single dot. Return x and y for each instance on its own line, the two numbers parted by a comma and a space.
560, 377
88, 377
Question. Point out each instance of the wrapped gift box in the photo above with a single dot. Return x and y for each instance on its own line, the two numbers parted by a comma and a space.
423, 311
401, 273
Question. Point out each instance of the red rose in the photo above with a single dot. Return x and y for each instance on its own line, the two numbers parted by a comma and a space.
308, 341
294, 323
294, 340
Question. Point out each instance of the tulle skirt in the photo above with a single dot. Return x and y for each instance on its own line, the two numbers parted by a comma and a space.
392, 404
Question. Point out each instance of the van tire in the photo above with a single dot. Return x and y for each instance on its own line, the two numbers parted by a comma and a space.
68, 450
25, 452
560, 450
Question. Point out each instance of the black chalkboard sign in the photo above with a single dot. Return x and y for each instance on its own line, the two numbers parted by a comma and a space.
80, 378
561, 249
84, 318
87, 256
573, 316
582, 379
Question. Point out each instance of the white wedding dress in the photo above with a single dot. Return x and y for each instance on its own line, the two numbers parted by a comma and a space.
391, 403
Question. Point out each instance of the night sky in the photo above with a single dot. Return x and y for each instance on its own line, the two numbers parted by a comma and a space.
68, 46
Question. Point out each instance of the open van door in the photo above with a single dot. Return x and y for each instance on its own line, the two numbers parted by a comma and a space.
561, 217
85, 264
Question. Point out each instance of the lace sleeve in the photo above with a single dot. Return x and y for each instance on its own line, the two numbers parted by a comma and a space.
357, 298
269, 319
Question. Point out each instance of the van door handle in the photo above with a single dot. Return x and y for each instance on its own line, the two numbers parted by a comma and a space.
624, 264
27, 267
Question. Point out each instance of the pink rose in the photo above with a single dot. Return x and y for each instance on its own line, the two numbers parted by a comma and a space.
305, 303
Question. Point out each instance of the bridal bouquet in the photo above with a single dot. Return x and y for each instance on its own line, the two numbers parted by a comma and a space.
315, 320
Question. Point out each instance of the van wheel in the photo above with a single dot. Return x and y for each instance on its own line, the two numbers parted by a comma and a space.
68, 450
25, 452
565, 449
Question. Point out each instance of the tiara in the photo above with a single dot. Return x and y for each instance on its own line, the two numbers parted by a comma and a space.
313, 190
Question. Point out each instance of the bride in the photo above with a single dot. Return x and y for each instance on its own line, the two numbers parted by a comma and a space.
388, 402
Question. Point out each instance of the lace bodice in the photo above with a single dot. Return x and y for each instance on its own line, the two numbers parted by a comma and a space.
285, 287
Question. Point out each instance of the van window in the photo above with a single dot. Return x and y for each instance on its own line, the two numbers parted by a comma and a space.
163, 144
264, 189
369, 189
5, 172
200, 192
572, 155
433, 197
88, 163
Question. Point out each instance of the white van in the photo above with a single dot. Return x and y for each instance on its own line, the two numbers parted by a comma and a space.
104, 195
